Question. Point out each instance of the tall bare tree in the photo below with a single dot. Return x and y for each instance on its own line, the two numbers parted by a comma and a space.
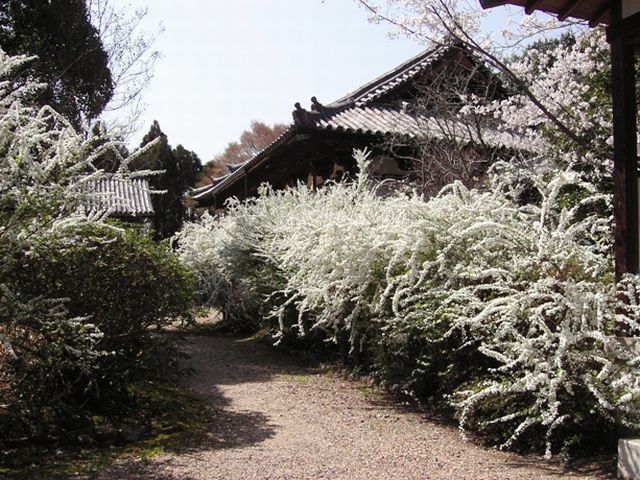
131, 56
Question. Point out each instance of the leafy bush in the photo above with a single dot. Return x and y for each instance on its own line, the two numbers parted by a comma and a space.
503, 311
86, 347
44, 353
77, 294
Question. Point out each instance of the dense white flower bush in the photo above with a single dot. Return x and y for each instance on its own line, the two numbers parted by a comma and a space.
71, 333
40, 170
499, 303
506, 310
45, 168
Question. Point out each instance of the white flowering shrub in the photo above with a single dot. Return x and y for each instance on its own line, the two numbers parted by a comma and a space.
503, 310
40, 173
71, 333
46, 167
500, 303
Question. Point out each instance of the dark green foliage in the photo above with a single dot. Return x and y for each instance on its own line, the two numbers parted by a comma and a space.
71, 59
180, 171
168, 206
85, 349
189, 165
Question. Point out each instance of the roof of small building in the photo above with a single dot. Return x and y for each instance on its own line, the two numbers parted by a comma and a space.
127, 197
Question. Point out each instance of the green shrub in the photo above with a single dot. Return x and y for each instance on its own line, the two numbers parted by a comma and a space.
86, 348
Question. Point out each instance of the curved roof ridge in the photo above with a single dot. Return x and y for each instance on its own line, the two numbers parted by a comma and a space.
400, 74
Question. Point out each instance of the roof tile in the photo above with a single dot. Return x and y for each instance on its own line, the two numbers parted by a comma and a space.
120, 196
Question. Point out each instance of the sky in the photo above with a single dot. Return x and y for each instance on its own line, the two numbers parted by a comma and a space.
226, 63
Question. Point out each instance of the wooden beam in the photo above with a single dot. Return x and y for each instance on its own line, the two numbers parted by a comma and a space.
625, 169
531, 6
312, 172
567, 9
627, 30
602, 11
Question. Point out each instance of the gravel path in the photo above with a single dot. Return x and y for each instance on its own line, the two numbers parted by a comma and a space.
278, 421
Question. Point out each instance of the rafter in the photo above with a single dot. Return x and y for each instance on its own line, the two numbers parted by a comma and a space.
600, 14
567, 9
531, 6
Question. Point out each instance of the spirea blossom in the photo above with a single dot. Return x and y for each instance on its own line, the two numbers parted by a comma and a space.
529, 287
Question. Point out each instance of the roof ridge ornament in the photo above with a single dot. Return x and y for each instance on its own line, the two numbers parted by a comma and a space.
302, 117
316, 106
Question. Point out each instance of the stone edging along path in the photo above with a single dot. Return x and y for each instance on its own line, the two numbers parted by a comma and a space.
275, 420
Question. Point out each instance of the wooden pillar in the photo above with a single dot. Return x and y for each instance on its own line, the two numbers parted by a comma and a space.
625, 170
622, 36
312, 172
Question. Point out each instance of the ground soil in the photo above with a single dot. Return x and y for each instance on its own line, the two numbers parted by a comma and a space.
275, 418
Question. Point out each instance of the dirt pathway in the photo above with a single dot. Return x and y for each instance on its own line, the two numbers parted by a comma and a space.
278, 421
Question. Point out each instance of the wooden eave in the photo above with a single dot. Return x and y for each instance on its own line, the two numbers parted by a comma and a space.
596, 12
205, 195
287, 159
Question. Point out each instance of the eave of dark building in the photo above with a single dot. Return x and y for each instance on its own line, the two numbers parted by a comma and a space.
594, 11
353, 114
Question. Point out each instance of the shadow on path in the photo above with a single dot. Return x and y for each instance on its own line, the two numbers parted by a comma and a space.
232, 407
209, 420
219, 360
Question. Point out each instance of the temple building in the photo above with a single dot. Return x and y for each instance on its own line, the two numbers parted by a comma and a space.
414, 104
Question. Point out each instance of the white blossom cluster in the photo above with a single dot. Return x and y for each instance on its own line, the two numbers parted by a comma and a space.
45, 168
570, 81
530, 287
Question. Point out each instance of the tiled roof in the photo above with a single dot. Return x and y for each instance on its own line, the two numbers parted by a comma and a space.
372, 120
120, 196
385, 121
358, 112
214, 181
394, 78
220, 183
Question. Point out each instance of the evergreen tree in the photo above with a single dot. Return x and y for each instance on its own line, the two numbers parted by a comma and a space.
180, 169
71, 62
189, 165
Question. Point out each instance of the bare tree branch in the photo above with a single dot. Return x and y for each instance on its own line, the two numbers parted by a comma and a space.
455, 30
